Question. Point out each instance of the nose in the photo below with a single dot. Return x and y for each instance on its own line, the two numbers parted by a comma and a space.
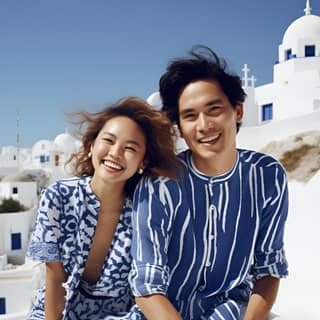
115, 151
203, 122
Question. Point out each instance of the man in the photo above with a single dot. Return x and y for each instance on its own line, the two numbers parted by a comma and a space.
209, 245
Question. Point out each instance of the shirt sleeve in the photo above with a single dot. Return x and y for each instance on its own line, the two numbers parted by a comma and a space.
269, 258
44, 242
151, 234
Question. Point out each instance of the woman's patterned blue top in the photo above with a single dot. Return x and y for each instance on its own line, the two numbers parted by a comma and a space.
202, 240
64, 229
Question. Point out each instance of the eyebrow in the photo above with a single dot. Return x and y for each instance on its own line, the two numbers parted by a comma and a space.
208, 104
127, 141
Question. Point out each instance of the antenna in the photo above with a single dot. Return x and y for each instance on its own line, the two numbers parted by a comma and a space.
18, 139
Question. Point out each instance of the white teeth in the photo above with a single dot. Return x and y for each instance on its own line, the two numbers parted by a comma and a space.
209, 139
112, 165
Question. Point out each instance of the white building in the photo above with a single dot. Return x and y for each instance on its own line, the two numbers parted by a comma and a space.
295, 90
17, 286
18, 279
24, 173
23, 191
47, 155
15, 230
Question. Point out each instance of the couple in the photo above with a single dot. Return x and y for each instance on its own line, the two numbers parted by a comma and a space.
201, 237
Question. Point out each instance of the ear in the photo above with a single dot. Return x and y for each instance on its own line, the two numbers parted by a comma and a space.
239, 112
90, 152
143, 164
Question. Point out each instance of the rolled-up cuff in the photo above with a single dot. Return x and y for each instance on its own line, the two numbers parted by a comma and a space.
148, 279
43, 252
273, 264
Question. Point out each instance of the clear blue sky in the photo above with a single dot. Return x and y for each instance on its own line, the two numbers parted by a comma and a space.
62, 55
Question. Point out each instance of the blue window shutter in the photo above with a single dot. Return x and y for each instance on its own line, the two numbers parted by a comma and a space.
267, 112
2, 305
16, 241
310, 51
288, 54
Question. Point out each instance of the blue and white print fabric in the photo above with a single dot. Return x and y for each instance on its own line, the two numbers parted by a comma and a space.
203, 240
64, 230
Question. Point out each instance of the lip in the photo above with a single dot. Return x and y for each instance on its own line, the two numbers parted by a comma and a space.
209, 140
112, 165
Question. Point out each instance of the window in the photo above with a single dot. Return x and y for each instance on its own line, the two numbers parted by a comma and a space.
2, 305
56, 160
16, 241
42, 158
310, 51
267, 112
288, 54
14, 190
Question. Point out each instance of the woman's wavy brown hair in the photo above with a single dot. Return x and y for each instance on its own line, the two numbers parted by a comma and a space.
156, 127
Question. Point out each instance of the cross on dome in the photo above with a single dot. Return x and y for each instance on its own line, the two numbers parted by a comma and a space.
307, 10
253, 80
245, 70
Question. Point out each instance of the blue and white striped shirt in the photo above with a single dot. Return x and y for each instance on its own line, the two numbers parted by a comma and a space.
202, 240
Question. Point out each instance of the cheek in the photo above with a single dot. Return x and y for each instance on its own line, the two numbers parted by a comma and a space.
185, 130
134, 160
96, 148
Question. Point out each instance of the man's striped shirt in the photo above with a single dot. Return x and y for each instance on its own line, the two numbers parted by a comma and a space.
202, 240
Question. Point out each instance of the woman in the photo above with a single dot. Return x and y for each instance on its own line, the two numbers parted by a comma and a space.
83, 227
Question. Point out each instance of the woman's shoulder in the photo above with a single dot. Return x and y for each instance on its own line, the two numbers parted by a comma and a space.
63, 187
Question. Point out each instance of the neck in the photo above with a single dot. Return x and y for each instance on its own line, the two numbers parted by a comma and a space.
216, 165
108, 192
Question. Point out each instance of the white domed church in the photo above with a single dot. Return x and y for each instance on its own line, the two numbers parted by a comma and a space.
295, 90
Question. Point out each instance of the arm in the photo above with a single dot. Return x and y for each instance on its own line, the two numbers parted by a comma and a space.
157, 306
262, 299
150, 239
54, 299
270, 261
44, 247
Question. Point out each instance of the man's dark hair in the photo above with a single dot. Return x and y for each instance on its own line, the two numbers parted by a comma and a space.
203, 64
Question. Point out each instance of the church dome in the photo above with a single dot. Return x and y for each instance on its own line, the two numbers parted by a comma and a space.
66, 143
305, 27
155, 100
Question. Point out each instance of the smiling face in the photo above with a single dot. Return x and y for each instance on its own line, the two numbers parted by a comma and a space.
208, 123
118, 151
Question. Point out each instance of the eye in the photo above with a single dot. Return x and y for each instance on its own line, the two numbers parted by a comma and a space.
188, 116
215, 110
130, 148
108, 140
